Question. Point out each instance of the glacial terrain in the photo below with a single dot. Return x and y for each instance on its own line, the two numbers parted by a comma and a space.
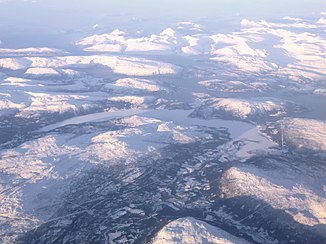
183, 134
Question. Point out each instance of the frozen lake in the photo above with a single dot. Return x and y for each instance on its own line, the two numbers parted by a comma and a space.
235, 128
238, 130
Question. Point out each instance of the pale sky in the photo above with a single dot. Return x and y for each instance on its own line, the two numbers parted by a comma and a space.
37, 17
187, 8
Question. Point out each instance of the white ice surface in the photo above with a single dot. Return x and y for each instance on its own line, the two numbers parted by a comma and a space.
236, 128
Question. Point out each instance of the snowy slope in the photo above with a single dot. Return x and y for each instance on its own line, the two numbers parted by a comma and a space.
48, 91
292, 48
120, 65
295, 192
245, 108
134, 86
31, 51
190, 230
305, 133
116, 41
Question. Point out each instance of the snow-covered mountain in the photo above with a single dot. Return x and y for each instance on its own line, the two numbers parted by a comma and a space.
251, 109
305, 133
298, 52
119, 65
190, 230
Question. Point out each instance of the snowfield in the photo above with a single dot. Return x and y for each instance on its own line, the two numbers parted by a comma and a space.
31, 51
7, 106
120, 65
49, 91
117, 42
52, 73
43, 102
234, 86
14, 63
298, 53
245, 109
138, 84
305, 133
42, 72
290, 191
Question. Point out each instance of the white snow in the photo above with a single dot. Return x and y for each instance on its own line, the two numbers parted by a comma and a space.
14, 63
6, 105
114, 48
254, 58
244, 108
93, 117
320, 91
38, 169
140, 84
305, 133
118, 42
291, 18
303, 52
42, 72
251, 136
233, 85
167, 42
236, 128
31, 51
121, 65
321, 21
253, 141
44, 102
248, 23
281, 189
16, 80
293, 49
135, 101
190, 230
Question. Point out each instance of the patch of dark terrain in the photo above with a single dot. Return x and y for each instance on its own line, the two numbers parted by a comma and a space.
129, 203
17, 130
77, 130
249, 215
